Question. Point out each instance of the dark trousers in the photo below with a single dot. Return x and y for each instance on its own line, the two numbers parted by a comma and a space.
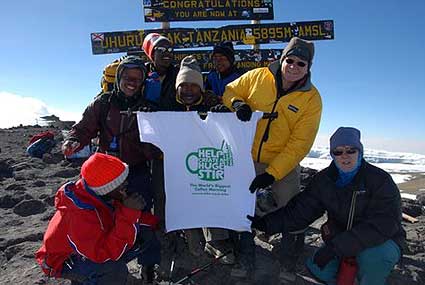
292, 249
244, 248
140, 181
86, 272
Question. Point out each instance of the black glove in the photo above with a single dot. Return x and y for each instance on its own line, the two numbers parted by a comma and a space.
258, 223
261, 181
148, 109
243, 111
324, 255
329, 230
220, 108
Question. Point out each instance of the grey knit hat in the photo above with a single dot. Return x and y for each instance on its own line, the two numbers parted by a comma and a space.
190, 72
346, 136
300, 48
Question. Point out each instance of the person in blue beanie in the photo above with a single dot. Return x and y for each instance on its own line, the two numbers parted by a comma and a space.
350, 189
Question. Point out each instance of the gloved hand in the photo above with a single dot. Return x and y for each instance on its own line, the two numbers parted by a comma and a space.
329, 230
243, 111
261, 181
69, 147
150, 220
148, 109
220, 108
324, 255
134, 201
258, 223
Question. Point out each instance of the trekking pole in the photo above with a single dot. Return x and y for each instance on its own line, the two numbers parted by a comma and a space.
173, 260
202, 268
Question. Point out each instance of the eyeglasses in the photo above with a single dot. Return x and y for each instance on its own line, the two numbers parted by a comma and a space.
164, 49
291, 61
132, 79
338, 152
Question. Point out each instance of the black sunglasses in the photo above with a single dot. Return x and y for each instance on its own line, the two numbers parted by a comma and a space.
291, 61
164, 49
337, 152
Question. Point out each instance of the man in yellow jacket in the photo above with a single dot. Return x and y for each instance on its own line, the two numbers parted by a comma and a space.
285, 135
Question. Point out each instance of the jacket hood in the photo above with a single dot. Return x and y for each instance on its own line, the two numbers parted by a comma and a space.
77, 194
129, 62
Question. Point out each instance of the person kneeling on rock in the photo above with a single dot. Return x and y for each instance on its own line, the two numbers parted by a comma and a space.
363, 234
97, 228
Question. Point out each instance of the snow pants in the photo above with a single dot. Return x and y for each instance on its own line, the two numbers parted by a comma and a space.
374, 265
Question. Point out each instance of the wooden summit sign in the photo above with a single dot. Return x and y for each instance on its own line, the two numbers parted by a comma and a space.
199, 10
245, 59
124, 41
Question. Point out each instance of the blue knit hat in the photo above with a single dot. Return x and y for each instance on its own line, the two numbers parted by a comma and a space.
346, 136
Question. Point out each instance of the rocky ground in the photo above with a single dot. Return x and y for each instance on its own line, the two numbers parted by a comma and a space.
27, 189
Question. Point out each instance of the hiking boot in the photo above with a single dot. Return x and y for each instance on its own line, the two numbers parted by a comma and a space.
218, 248
147, 274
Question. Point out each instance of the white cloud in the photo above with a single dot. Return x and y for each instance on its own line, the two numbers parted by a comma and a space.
394, 145
16, 110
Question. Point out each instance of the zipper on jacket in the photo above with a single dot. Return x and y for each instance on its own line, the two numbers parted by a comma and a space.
279, 94
265, 137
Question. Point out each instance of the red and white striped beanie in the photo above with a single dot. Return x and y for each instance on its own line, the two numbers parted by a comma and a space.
104, 173
150, 41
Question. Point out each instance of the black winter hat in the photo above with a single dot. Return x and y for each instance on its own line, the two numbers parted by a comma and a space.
226, 49
129, 62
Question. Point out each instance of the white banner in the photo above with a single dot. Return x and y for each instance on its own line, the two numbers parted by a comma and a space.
207, 167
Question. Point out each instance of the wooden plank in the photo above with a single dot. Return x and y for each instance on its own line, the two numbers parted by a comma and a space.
409, 218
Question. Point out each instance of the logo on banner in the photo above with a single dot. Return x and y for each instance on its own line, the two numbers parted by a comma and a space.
210, 163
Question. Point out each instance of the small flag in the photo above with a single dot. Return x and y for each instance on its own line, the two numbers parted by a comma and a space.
97, 37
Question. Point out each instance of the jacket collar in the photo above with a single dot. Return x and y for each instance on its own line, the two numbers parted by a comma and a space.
84, 197
358, 183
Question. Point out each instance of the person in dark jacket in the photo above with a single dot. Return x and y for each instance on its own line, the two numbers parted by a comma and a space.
190, 92
160, 94
376, 236
159, 88
225, 70
191, 96
118, 132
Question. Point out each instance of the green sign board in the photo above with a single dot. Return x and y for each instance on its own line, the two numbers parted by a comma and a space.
202, 10
112, 42
244, 59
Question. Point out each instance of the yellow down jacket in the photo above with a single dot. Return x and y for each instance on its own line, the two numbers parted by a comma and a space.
292, 133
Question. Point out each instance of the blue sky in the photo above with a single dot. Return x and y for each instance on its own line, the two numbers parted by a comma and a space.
369, 76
